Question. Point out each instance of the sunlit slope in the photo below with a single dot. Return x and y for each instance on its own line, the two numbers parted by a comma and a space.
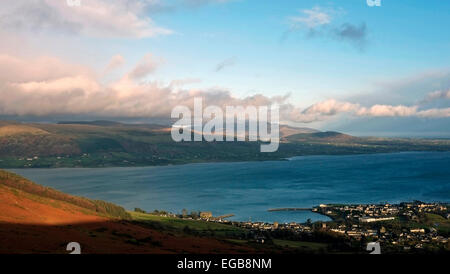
23, 201
36, 219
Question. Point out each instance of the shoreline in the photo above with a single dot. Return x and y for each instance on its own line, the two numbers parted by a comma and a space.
293, 158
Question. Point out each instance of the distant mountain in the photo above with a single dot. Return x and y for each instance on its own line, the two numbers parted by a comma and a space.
106, 123
289, 130
94, 123
331, 136
104, 143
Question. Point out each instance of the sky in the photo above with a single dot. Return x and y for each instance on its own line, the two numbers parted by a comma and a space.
333, 65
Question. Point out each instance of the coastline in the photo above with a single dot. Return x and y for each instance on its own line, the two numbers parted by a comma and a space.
226, 187
292, 158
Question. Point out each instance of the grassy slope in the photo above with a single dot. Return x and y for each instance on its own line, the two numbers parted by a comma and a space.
178, 225
100, 207
442, 224
225, 232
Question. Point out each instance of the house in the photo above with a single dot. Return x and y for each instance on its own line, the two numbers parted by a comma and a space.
275, 225
206, 214
370, 220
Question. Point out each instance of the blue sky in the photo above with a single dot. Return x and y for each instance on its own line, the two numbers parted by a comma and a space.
344, 53
403, 39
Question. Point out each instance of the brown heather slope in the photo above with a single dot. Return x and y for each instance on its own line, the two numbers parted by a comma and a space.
11, 130
32, 221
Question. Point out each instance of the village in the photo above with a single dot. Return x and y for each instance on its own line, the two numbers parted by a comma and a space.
406, 226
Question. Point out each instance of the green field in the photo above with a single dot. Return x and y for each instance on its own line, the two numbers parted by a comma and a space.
196, 227
439, 222
225, 232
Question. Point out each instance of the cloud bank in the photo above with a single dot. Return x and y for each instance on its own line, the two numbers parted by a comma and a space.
71, 89
46, 86
436, 95
329, 108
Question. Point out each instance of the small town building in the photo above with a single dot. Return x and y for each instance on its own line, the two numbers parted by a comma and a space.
206, 214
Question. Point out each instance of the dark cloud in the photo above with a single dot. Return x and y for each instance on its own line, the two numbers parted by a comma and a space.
356, 34
225, 63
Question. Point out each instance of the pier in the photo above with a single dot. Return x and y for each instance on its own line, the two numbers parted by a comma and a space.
225, 216
290, 209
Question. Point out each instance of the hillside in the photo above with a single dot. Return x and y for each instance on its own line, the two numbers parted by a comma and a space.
328, 136
11, 130
100, 208
36, 219
103, 143
286, 131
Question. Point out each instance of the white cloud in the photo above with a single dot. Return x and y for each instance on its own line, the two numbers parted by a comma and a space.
146, 66
329, 108
196, 3
312, 18
41, 68
436, 95
387, 111
97, 18
115, 62
434, 113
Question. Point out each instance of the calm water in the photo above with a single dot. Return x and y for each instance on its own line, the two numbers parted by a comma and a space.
248, 189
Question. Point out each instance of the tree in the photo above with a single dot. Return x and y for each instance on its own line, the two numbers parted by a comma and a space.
194, 214
137, 209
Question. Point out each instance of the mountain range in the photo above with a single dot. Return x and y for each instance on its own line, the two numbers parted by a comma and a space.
108, 143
